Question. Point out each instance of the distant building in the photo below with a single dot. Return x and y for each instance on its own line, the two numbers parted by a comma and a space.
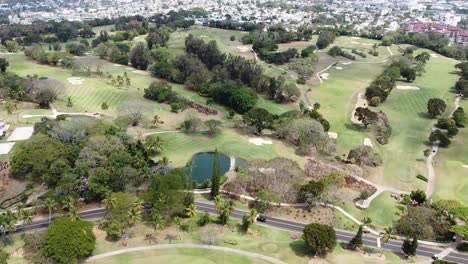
456, 35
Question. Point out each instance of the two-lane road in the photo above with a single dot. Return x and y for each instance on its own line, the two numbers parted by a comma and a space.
284, 224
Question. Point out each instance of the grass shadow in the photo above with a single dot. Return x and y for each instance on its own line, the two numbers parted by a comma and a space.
424, 115
300, 249
355, 127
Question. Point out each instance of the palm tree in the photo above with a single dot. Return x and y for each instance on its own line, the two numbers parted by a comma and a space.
50, 204
10, 107
153, 145
165, 161
157, 120
74, 214
109, 202
68, 202
9, 223
388, 234
190, 212
177, 222
250, 218
135, 214
26, 217
366, 221
225, 211
157, 221
19, 211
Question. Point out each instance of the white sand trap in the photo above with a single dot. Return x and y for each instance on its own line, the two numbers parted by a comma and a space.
203, 36
243, 48
355, 37
141, 72
433, 55
346, 63
465, 166
368, 142
408, 88
21, 133
75, 80
129, 68
6, 147
339, 68
333, 135
117, 65
260, 141
324, 76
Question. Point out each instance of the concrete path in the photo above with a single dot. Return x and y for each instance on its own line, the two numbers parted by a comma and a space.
170, 246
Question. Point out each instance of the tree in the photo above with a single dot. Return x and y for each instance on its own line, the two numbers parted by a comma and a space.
191, 212
325, 38
216, 177
177, 222
364, 155
10, 106
438, 136
69, 101
320, 239
435, 106
365, 115
249, 219
140, 56
153, 145
69, 241
225, 209
212, 125
356, 241
11, 46
258, 118
418, 196
157, 220
387, 235
4, 256
409, 74
157, 120
4, 64
50, 204
45, 96
409, 246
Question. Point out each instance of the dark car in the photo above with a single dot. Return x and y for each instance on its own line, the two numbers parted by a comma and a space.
261, 218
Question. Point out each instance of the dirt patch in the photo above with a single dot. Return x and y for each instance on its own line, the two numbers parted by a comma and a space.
137, 132
203, 110
361, 101
315, 215
360, 186
317, 169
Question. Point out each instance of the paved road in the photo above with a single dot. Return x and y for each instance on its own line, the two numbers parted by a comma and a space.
342, 235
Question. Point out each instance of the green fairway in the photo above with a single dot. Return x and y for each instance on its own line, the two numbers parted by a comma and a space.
179, 256
180, 147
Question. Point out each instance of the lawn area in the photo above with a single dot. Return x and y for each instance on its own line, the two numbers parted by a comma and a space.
180, 147
179, 256
451, 176
406, 110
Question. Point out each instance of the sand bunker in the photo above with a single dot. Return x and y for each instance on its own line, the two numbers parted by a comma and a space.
333, 135
260, 141
408, 88
129, 68
433, 55
75, 81
6, 147
243, 48
360, 102
355, 37
324, 76
465, 166
367, 142
203, 36
21, 133
141, 72
117, 65
364, 44
338, 68
346, 63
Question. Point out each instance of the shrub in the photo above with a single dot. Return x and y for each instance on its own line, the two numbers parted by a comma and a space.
363, 195
374, 101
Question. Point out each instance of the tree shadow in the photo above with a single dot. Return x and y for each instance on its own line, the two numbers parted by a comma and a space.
424, 115
355, 127
300, 249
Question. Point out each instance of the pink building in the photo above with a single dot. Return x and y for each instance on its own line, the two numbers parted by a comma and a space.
456, 35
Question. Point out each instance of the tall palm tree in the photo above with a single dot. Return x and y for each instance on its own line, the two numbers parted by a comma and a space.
153, 145
157, 221
135, 214
9, 223
225, 211
50, 205
19, 211
366, 221
26, 218
69, 202
3, 222
109, 202
10, 107
388, 234
191, 211
74, 214
251, 218
177, 222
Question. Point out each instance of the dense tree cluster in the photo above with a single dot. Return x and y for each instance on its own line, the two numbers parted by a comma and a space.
81, 156
320, 239
337, 51
325, 38
462, 84
63, 59
423, 222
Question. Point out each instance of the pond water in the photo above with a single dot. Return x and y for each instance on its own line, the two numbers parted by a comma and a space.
202, 168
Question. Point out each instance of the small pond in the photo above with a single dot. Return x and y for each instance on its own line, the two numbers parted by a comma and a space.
202, 168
